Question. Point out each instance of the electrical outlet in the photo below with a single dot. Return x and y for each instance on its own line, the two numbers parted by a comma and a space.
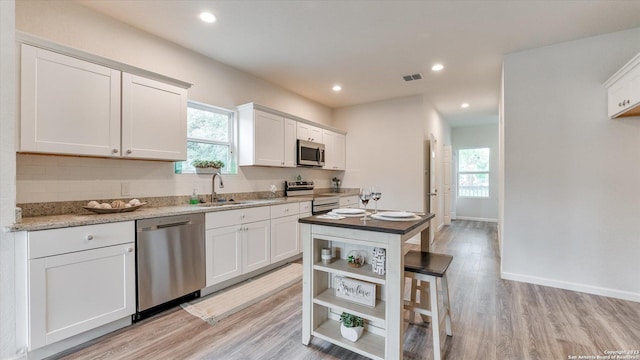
125, 189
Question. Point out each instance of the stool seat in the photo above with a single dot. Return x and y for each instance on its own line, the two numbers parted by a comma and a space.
427, 267
427, 263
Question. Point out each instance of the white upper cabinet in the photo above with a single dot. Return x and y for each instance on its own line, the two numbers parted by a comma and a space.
309, 133
623, 90
335, 154
68, 106
265, 139
154, 119
76, 107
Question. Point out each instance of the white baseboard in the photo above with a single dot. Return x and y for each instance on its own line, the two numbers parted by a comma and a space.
566, 285
440, 226
477, 219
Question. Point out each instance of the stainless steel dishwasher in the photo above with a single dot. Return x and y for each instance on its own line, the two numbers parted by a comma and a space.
170, 261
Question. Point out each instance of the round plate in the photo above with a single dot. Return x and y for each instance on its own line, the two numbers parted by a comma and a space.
396, 214
348, 211
113, 211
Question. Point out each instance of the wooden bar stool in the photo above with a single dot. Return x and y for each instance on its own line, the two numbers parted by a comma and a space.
427, 267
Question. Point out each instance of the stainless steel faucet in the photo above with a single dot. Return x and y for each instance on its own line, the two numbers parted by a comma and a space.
214, 196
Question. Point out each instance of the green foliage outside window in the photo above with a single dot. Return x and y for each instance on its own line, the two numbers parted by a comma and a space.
209, 137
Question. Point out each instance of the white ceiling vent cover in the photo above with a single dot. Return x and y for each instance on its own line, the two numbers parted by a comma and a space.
412, 77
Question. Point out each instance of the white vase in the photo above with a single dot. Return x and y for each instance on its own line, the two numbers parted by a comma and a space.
351, 333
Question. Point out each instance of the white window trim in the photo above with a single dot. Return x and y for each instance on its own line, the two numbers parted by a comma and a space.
232, 130
488, 172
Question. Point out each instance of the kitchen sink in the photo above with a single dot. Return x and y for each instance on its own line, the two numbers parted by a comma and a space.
236, 203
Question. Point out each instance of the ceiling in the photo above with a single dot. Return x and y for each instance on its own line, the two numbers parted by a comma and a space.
367, 46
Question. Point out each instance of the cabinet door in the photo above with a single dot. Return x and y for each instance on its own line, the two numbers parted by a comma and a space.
284, 238
223, 250
76, 292
269, 139
339, 150
309, 132
68, 106
290, 131
154, 119
256, 247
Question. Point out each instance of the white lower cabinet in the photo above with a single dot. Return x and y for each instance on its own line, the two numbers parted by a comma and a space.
349, 202
223, 248
237, 242
91, 285
284, 238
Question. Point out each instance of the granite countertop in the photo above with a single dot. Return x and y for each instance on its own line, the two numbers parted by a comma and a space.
393, 227
69, 220
62, 221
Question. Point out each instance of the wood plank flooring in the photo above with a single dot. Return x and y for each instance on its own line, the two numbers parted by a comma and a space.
492, 319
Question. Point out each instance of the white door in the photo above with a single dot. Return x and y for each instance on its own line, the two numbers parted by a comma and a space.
223, 249
256, 245
76, 292
284, 238
154, 119
68, 106
269, 139
447, 184
431, 188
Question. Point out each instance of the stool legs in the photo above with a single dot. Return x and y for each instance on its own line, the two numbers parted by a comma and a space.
447, 305
435, 318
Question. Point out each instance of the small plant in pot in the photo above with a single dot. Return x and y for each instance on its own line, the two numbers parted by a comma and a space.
355, 259
207, 166
351, 326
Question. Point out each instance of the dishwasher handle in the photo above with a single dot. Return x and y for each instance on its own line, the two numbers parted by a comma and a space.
164, 226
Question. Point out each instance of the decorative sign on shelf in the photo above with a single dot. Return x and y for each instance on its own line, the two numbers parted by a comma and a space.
356, 291
379, 261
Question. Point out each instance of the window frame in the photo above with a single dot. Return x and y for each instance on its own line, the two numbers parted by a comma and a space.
231, 131
487, 172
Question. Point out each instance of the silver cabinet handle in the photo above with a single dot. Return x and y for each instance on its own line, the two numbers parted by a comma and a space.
89, 237
129, 249
129, 151
115, 151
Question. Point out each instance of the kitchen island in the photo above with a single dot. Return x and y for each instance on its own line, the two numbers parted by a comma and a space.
321, 309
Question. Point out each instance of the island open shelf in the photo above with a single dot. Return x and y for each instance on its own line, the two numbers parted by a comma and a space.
383, 334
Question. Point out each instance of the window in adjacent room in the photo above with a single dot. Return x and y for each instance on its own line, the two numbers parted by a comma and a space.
210, 134
473, 173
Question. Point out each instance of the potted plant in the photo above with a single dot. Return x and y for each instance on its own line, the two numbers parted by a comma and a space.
355, 259
351, 326
207, 166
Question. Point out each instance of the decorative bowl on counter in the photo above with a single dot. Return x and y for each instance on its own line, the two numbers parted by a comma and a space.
112, 210
116, 206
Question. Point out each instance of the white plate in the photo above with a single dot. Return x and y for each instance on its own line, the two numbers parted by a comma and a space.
348, 211
396, 214
379, 217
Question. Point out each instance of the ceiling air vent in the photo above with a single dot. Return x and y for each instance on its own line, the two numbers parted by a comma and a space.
412, 77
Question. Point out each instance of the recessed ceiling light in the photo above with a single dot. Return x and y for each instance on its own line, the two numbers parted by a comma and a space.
464, 105
336, 88
437, 67
207, 17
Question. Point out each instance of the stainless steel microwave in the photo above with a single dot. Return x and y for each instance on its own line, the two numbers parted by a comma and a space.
310, 154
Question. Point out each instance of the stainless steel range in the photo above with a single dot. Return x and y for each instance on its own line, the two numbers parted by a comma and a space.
322, 203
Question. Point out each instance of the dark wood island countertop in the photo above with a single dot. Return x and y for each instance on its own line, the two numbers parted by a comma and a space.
392, 227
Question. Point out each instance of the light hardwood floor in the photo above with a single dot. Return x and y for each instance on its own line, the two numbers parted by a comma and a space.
492, 319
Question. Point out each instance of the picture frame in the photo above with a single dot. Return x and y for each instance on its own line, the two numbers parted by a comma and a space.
356, 291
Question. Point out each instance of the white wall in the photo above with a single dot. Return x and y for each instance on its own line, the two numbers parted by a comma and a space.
572, 200
10, 341
385, 147
53, 178
484, 136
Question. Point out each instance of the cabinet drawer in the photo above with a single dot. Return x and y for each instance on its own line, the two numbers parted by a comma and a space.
305, 207
284, 210
348, 201
233, 217
60, 241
